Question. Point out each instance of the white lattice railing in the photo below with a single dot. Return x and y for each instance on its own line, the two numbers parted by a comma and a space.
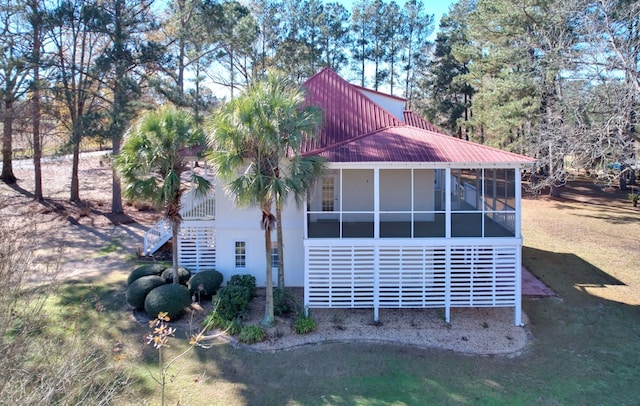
198, 206
411, 274
197, 248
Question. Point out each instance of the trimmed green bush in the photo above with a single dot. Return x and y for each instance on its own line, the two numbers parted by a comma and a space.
248, 281
169, 298
139, 289
205, 284
232, 301
252, 334
183, 275
146, 270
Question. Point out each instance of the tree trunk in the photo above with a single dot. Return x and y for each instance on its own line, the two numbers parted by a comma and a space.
75, 182
175, 226
280, 243
35, 108
267, 224
116, 188
268, 310
7, 153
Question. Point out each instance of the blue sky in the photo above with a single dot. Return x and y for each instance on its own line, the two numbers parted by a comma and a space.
435, 7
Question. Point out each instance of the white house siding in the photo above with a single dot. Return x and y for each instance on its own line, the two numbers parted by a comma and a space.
233, 224
393, 105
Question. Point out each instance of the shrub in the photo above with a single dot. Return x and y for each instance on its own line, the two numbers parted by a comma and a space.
252, 334
213, 320
232, 301
169, 298
305, 324
205, 284
248, 281
139, 289
183, 275
283, 301
146, 270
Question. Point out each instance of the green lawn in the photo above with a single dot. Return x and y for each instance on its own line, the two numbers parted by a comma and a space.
584, 346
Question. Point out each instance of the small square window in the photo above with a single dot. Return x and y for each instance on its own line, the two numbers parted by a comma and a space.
241, 254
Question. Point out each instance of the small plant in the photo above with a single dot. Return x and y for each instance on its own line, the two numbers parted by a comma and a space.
282, 300
305, 324
634, 197
159, 337
252, 334
214, 320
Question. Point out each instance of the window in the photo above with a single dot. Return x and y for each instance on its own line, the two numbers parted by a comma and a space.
241, 254
274, 256
328, 193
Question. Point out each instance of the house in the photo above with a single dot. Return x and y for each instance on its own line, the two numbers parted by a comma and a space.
404, 217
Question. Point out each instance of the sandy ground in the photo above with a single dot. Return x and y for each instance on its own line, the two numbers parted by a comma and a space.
92, 244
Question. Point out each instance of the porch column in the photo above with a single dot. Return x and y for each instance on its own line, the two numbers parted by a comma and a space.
518, 234
376, 236
447, 273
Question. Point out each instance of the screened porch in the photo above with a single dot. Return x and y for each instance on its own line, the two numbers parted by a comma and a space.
413, 203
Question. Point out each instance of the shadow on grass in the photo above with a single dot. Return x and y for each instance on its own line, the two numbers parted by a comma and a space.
566, 272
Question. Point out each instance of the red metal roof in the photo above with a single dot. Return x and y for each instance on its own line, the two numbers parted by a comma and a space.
413, 119
347, 112
411, 144
356, 129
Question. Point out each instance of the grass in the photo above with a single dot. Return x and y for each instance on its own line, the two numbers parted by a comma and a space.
584, 345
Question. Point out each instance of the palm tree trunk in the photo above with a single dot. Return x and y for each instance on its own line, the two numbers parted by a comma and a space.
280, 243
267, 224
268, 310
175, 226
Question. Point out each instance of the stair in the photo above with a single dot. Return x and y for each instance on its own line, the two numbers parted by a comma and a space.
193, 208
156, 236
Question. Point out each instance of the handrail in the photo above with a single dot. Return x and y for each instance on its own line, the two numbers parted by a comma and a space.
156, 236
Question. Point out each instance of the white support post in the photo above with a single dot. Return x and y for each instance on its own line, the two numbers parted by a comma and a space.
376, 235
447, 278
518, 198
518, 234
447, 285
376, 203
307, 291
447, 202
518, 298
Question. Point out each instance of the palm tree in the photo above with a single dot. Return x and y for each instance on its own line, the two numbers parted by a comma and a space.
152, 159
255, 142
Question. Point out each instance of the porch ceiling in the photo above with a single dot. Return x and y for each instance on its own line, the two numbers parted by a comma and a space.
411, 144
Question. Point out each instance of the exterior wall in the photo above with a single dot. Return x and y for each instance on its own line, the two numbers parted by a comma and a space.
233, 224
392, 104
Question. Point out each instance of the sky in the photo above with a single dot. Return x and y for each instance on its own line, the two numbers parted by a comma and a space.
436, 7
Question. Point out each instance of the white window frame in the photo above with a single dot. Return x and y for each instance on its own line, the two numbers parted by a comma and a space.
240, 259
